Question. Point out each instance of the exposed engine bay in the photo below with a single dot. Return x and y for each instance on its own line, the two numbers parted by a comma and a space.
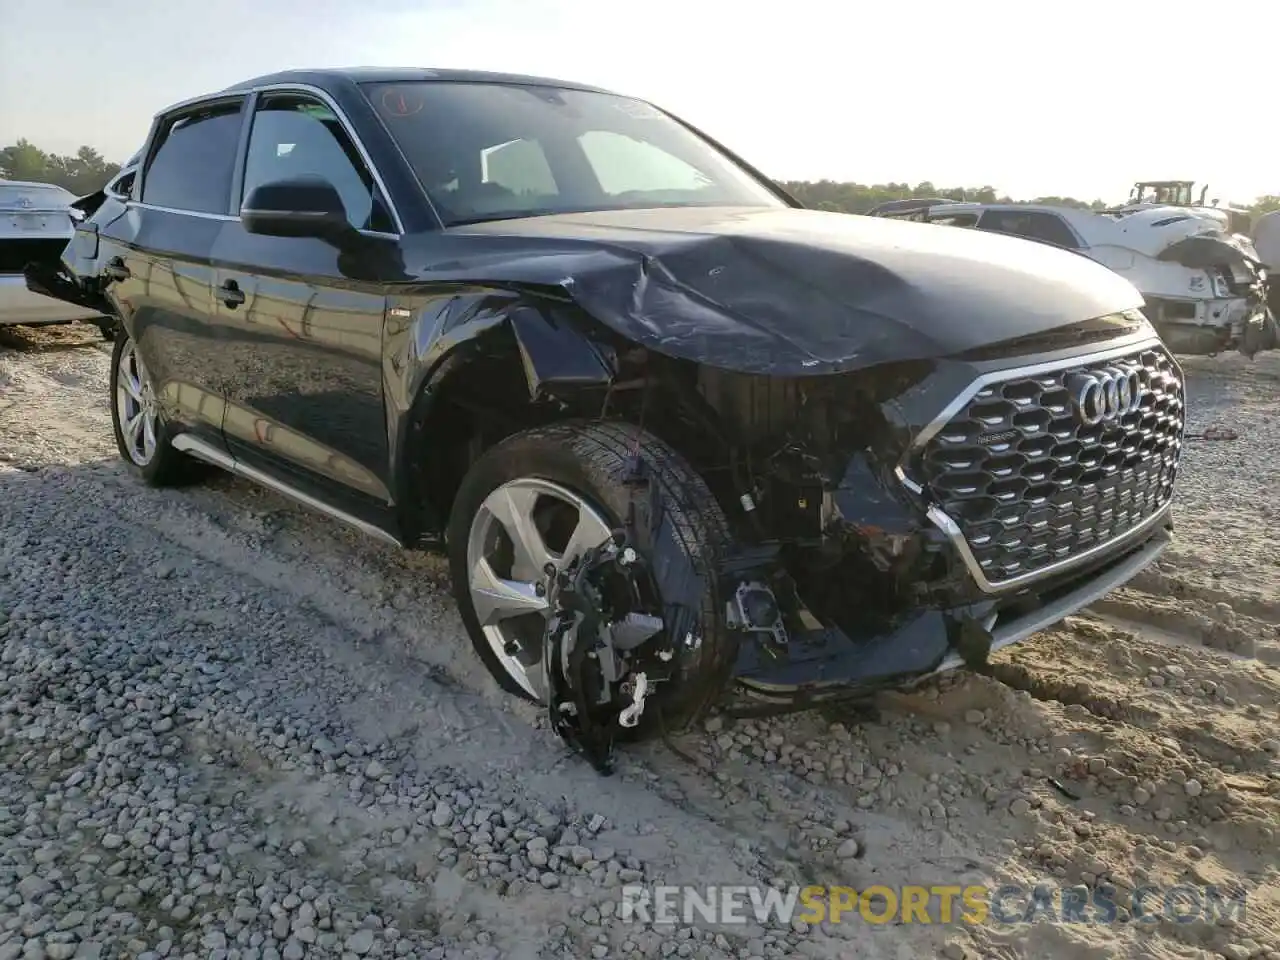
837, 585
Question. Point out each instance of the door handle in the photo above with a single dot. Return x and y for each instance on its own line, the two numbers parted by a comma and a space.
231, 294
116, 270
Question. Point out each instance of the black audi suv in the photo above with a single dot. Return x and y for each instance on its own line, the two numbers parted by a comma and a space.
676, 433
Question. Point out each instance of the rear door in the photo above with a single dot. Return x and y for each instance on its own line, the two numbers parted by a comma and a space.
158, 257
300, 363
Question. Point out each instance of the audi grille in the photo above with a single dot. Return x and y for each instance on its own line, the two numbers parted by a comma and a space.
1041, 467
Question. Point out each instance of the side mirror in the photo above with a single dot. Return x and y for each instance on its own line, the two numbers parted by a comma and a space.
299, 207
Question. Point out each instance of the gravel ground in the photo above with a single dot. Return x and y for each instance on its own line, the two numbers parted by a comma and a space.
231, 728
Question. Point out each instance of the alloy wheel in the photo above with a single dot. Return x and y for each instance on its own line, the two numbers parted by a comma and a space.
521, 527
136, 407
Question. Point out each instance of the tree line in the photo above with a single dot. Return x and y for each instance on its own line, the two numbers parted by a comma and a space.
87, 171
859, 197
82, 172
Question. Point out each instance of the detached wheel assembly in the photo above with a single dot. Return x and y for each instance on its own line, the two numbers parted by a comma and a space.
584, 557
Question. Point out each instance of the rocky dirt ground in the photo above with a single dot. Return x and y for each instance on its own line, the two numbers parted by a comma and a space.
231, 728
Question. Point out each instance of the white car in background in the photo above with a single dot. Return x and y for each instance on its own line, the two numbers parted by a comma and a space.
36, 222
1205, 289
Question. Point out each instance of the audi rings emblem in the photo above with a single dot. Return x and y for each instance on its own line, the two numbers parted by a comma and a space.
1106, 394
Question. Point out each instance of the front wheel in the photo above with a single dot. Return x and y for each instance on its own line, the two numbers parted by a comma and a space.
540, 500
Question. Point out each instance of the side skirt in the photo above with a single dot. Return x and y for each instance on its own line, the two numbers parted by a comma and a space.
219, 458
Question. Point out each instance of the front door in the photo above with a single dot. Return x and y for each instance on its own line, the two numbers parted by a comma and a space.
300, 324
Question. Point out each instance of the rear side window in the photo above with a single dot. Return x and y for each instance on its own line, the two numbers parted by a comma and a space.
956, 220
192, 167
1031, 224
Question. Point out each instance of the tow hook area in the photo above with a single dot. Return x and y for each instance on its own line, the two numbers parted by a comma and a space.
755, 609
630, 716
596, 657
973, 642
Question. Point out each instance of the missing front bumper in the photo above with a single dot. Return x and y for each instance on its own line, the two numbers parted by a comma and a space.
1015, 629
829, 664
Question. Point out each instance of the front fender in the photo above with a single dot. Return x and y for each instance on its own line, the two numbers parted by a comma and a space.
432, 335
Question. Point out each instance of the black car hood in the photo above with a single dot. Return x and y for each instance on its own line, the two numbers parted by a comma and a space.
782, 291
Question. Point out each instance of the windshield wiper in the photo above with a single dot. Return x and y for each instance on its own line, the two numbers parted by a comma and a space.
566, 211
514, 215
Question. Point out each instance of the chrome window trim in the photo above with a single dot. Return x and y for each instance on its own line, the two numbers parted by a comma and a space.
949, 528
200, 214
314, 91
226, 217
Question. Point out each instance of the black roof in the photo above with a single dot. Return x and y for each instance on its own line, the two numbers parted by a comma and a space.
331, 76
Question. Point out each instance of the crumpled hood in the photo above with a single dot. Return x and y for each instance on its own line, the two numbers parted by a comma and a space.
783, 291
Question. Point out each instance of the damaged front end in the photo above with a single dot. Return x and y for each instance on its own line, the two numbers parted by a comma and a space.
887, 523
1211, 295
914, 517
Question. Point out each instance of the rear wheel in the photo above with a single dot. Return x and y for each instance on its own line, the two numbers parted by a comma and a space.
544, 497
141, 434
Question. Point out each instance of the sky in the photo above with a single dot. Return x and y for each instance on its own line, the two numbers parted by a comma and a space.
1036, 99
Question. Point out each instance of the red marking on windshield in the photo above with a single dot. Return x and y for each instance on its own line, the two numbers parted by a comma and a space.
401, 103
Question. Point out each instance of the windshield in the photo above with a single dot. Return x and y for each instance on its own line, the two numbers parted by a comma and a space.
491, 151
1172, 194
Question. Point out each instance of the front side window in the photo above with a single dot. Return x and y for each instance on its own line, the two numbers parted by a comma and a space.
191, 167
489, 151
296, 136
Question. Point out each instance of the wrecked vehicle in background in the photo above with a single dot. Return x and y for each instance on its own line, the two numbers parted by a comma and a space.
1205, 290
1180, 193
1266, 240
36, 221
675, 433
43, 275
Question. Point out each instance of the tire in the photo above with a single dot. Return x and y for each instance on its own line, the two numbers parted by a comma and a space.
166, 466
593, 460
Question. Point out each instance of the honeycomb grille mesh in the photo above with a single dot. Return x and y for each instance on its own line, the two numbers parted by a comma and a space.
1031, 485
